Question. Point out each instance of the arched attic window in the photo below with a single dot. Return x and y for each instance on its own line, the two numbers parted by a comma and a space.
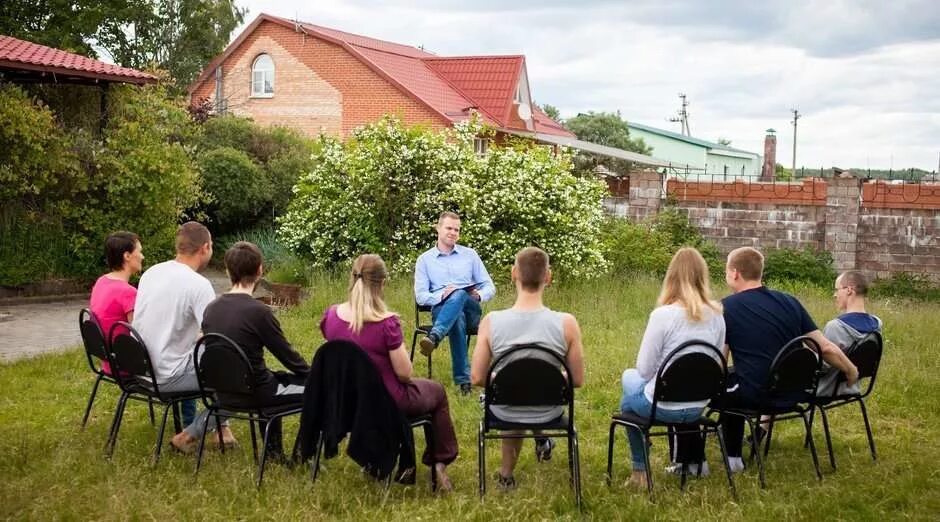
262, 77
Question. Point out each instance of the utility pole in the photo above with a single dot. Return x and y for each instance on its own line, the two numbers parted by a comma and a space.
683, 116
796, 116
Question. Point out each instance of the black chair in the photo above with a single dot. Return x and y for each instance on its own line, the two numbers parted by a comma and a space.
223, 368
425, 329
694, 371
788, 393
420, 421
96, 352
133, 370
539, 378
865, 354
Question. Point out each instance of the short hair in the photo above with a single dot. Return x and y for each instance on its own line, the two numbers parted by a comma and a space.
447, 214
856, 280
242, 261
531, 266
190, 237
748, 261
118, 244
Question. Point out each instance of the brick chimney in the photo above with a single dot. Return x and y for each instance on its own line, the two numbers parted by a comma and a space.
768, 172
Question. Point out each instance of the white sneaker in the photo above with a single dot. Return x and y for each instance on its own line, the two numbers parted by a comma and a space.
736, 464
691, 470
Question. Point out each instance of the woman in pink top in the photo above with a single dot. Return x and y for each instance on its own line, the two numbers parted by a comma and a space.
112, 297
365, 320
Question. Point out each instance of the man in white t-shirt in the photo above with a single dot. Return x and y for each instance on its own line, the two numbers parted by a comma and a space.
171, 299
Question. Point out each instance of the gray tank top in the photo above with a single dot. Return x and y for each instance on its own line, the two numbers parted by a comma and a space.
510, 328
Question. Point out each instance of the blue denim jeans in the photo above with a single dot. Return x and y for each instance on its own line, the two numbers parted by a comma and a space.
453, 318
635, 401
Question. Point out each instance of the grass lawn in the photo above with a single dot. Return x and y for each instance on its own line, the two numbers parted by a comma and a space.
51, 469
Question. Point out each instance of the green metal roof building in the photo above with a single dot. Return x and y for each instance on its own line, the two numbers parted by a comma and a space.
696, 157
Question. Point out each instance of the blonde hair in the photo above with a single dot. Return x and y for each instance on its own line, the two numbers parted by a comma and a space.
366, 295
686, 283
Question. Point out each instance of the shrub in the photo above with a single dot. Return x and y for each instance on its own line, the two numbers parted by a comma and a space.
650, 245
382, 191
805, 265
36, 155
905, 285
236, 189
33, 247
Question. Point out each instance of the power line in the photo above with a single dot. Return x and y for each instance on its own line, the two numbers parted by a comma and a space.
683, 116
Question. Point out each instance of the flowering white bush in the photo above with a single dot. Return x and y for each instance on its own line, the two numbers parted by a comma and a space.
382, 191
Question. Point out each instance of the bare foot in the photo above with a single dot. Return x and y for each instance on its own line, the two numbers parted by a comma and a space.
184, 443
638, 480
443, 481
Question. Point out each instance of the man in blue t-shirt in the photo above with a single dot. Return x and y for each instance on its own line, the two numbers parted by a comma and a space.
759, 322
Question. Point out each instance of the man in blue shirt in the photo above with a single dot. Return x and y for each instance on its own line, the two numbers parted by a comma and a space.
452, 280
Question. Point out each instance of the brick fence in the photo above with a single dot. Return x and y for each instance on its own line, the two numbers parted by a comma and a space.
875, 226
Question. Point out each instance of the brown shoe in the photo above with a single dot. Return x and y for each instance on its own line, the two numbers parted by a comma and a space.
228, 438
427, 343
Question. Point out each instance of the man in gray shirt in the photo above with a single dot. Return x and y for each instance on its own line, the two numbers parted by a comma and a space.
852, 325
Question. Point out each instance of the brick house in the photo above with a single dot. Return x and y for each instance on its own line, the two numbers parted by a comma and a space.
321, 80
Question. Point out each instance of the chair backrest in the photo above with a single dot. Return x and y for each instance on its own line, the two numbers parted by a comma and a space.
865, 354
93, 338
419, 308
222, 366
130, 361
795, 370
539, 378
694, 371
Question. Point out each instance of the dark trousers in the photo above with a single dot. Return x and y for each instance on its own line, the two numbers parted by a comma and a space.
292, 395
422, 397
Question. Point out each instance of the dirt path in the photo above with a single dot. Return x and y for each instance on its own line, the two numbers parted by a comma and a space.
31, 329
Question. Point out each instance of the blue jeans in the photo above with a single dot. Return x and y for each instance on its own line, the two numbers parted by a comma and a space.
635, 401
453, 318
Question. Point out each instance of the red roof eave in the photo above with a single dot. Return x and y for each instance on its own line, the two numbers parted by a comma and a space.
66, 71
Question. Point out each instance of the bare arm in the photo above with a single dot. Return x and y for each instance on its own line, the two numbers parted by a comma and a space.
401, 363
575, 357
834, 355
482, 354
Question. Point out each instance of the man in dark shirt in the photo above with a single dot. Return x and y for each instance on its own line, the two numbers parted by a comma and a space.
759, 322
252, 326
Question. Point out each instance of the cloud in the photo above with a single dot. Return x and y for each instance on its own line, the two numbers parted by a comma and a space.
863, 73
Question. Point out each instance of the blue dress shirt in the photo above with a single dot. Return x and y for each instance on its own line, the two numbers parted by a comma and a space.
435, 270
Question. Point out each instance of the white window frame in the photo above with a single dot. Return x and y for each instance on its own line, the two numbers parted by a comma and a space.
262, 79
481, 146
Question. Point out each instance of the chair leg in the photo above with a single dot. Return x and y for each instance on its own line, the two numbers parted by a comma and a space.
825, 423
202, 443
576, 460
724, 458
757, 453
315, 465
414, 342
115, 426
264, 450
769, 435
254, 440
218, 433
812, 414
812, 445
646, 460
91, 400
177, 418
153, 419
429, 440
481, 456
159, 447
610, 453
871, 439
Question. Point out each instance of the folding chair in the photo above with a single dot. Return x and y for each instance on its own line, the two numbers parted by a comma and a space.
425, 329
223, 368
132, 368
539, 378
421, 421
788, 393
96, 349
866, 355
694, 371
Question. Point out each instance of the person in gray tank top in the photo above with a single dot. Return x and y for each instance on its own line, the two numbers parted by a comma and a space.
527, 322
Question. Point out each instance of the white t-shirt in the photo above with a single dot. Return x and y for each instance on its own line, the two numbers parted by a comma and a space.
171, 299
669, 327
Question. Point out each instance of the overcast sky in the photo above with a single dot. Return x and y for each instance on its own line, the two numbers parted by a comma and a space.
865, 75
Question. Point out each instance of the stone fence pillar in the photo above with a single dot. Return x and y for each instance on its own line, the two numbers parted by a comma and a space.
646, 194
843, 199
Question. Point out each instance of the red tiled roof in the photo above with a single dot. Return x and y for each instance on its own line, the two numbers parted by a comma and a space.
449, 86
23, 55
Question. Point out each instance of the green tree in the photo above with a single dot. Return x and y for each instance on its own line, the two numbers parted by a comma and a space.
179, 36
552, 112
782, 173
604, 128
